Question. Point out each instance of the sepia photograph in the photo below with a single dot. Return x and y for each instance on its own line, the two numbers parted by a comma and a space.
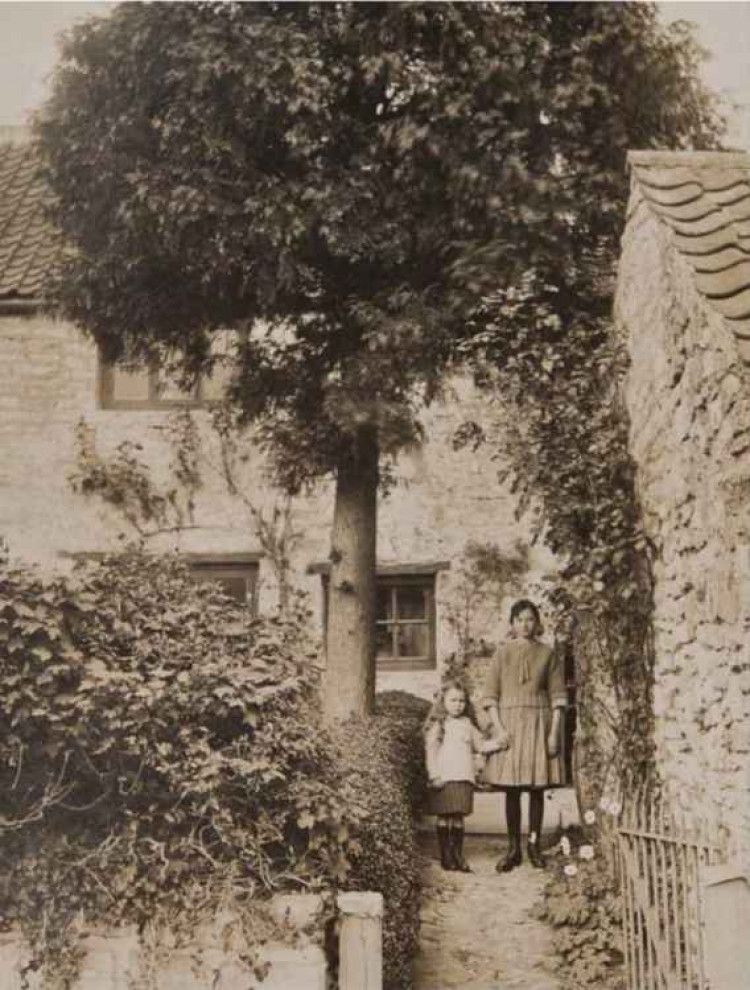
374, 495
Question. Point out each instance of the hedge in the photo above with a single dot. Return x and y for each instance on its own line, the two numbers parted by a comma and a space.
161, 754
381, 758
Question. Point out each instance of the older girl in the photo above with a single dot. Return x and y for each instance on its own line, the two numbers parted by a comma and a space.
524, 694
452, 737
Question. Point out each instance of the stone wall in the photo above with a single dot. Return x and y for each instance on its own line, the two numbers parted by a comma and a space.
219, 955
442, 499
688, 398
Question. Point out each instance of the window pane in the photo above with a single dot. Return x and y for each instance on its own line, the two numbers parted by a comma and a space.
413, 641
411, 602
384, 605
235, 587
224, 348
169, 390
384, 640
128, 386
237, 582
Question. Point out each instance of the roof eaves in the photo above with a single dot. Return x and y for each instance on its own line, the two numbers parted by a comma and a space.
689, 159
20, 307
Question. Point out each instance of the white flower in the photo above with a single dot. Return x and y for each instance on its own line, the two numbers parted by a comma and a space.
615, 808
589, 816
604, 805
570, 870
586, 852
565, 846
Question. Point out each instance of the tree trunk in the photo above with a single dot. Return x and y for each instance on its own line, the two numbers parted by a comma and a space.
350, 638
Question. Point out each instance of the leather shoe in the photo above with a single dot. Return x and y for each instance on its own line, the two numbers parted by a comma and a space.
511, 861
535, 857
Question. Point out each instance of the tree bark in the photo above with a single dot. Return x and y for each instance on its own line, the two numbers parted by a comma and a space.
350, 636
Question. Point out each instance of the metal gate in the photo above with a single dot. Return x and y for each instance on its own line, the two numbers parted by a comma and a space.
660, 859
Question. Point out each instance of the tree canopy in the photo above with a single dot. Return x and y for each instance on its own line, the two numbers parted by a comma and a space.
362, 187
355, 176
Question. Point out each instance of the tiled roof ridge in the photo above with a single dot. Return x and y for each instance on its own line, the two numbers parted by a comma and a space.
689, 159
703, 199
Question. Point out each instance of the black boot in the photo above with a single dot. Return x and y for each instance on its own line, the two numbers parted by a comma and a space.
457, 848
535, 855
444, 845
513, 859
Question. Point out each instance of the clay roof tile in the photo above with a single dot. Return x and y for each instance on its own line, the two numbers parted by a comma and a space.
28, 244
703, 199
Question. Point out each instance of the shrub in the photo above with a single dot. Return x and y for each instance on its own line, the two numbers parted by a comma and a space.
159, 753
382, 761
582, 904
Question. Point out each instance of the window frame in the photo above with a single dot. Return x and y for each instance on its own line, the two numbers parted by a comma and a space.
424, 575
426, 582
232, 565
107, 398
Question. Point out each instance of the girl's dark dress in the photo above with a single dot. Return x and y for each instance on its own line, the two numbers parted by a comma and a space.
526, 681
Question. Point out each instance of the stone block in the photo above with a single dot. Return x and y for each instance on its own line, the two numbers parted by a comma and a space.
726, 892
113, 961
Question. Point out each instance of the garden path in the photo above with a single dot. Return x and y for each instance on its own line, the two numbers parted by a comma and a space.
478, 929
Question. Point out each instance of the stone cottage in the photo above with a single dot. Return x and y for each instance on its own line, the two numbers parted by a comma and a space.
683, 312
57, 397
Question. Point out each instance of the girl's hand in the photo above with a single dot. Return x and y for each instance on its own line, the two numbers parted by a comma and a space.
436, 783
553, 746
501, 740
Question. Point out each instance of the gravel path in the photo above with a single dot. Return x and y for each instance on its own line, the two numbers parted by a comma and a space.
478, 930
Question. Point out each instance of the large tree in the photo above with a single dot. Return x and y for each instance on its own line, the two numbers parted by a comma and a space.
350, 180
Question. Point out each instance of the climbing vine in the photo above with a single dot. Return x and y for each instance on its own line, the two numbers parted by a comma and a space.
125, 481
552, 374
484, 576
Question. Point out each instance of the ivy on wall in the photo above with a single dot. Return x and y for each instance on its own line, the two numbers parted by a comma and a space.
553, 381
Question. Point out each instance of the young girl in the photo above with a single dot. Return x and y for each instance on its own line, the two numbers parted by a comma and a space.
452, 737
525, 696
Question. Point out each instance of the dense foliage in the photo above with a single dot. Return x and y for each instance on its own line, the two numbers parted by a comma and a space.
585, 911
358, 176
161, 759
351, 181
382, 759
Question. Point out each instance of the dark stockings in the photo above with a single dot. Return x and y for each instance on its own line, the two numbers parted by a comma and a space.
444, 843
513, 821
457, 844
536, 817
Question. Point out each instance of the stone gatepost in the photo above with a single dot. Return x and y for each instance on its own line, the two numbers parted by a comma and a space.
361, 941
726, 892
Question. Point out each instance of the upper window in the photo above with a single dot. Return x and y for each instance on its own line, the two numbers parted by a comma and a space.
405, 622
153, 388
144, 388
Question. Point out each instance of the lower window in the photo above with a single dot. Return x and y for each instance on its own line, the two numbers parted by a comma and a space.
405, 622
238, 579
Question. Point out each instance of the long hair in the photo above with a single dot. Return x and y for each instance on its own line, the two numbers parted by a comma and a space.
437, 714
